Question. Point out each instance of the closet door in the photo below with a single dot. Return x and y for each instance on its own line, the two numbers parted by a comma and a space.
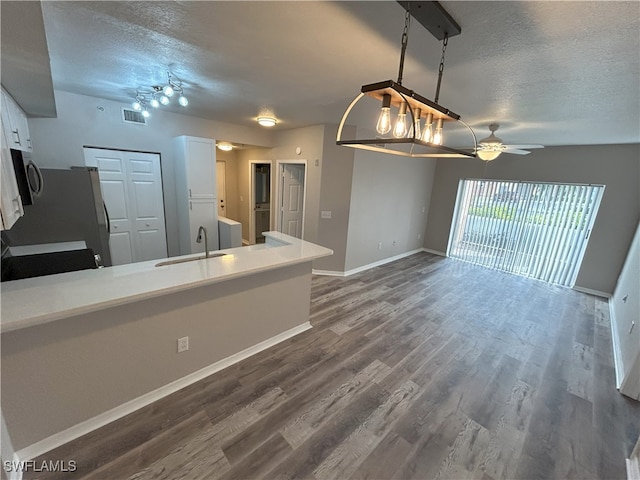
131, 185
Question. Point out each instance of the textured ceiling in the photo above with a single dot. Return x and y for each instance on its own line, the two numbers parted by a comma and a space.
555, 73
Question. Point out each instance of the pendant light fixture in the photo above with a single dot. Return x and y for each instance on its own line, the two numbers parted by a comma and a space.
404, 135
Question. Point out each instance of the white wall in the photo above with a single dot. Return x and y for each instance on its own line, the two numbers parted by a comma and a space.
390, 199
58, 142
625, 316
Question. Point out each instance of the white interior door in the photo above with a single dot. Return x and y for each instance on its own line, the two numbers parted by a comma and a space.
221, 188
131, 186
292, 195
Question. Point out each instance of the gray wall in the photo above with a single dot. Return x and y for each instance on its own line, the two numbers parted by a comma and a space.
59, 374
616, 166
625, 308
58, 142
335, 196
310, 140
388, 196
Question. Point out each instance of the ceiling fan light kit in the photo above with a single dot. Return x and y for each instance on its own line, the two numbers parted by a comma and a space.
407, 137
491, 147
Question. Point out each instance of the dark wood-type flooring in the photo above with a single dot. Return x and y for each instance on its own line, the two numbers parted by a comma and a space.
423, 368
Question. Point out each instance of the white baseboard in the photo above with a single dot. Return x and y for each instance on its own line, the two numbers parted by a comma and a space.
328, 273
633, 463
617, 353
633, 469
368, 266
590, 291
58, 439
435, 252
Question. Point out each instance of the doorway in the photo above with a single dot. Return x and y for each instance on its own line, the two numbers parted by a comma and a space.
536, 230
260, 206
131, 184
221, 187
292, 177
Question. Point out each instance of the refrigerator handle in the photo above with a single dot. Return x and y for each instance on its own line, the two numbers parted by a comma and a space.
106, 214
34, 178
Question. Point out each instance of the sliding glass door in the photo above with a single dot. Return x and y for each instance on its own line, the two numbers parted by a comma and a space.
537, 230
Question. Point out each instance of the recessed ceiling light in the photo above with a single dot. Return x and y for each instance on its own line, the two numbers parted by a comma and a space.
267, 121
225, 146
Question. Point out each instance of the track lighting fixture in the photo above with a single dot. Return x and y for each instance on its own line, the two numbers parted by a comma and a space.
158, 95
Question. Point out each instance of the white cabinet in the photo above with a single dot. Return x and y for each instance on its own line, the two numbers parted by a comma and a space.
195, 174
14, 124
10, 201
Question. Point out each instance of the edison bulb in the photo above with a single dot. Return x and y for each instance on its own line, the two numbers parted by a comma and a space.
427, 133
137, 106
145, 113
154, 102
164, 100
400, 128
183, 101
168, 90
437, 136
384, 120
416, 128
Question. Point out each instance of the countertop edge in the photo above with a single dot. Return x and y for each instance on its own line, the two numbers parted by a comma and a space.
281, 239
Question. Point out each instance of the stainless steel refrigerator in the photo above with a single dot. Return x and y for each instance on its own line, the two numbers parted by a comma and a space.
69, 209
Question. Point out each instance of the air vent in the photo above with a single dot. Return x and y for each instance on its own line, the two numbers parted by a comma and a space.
132, 116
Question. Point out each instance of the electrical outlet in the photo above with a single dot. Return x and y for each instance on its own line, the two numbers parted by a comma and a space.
325, 214
183, 344
379, 245
419, 236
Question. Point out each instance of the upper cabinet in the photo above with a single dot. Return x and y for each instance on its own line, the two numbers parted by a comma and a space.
14, 124
195, 163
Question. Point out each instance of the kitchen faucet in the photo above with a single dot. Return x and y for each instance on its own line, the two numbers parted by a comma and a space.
206, 240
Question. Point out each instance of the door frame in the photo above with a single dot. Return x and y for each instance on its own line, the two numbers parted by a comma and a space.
224, 162
279, 195
252, 198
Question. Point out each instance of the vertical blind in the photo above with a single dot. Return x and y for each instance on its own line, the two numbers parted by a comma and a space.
537, 230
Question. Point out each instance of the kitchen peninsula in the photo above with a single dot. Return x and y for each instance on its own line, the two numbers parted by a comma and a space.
81, 349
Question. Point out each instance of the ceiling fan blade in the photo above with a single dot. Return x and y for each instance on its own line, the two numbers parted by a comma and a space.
523, 147
517, 151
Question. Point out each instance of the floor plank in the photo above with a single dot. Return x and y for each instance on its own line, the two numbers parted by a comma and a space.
423, 368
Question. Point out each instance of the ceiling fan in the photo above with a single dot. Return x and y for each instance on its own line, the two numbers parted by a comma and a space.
491, 147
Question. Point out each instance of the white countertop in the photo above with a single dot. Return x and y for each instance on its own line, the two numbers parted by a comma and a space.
34, 301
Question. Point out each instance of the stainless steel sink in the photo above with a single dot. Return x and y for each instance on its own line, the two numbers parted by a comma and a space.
192, 259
